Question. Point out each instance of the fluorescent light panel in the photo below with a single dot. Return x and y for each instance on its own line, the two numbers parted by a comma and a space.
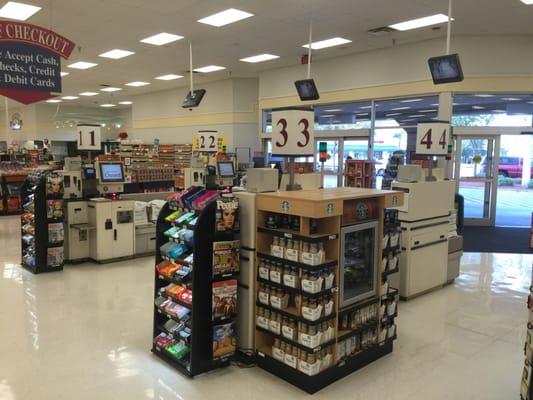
70, 97
137, 84
322, 44
225, 17
126, 103
416, 116
82, 65
209, 68
88, 94
65, 73
110, 89
107, 105
334, 110
259, 58
400, 108
427, 111
161, 39
410, 100
485, 95
511, 98
18, 11
116, 54
528, 2
169, 77
420, 22
328, 115
478, 108
53, 101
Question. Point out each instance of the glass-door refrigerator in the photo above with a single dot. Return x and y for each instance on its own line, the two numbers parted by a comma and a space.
358, 268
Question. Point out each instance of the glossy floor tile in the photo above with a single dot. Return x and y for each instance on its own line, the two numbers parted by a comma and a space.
85, 333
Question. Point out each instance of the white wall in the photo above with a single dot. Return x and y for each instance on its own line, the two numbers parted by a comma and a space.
480, 56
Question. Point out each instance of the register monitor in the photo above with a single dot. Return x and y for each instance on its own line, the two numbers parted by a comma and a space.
110, 177
226, 173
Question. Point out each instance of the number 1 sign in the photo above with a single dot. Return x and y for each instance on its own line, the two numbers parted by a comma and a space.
433, 138
89, 137
293, 133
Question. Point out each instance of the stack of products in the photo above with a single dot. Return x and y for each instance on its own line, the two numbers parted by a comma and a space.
309, 362
391, 171
177, 156
359, 173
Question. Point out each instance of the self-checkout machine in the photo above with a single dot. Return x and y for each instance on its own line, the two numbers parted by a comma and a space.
425, 215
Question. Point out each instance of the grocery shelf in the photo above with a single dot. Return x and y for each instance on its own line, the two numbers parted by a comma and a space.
327, 264
290, 234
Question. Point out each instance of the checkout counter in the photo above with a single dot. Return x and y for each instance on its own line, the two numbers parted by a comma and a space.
425, 242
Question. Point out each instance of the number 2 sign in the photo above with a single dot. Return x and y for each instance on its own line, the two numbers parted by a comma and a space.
293, 133
89, 137
433, 138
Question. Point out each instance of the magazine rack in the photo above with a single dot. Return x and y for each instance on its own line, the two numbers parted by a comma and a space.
42, 229
211, 342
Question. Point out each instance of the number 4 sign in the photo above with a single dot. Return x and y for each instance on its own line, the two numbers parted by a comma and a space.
433, 138
89, 137
293, 133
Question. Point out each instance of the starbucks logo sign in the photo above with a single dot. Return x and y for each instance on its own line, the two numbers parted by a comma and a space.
285, 206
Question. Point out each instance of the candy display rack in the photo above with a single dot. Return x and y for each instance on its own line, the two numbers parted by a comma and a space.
314, 325
42, 227
195, 282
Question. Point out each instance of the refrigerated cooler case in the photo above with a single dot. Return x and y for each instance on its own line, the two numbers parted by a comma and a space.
358, 275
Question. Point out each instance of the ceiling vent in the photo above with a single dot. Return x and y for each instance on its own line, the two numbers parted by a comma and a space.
384, 30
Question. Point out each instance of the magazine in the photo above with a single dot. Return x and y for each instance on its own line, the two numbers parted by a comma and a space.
227, 214
55, 233
54, 208
224, 340
226, 257
224, 298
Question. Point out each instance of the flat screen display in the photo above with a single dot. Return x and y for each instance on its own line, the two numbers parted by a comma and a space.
225, 169
194, 99
111, 172
307, 90
446, 69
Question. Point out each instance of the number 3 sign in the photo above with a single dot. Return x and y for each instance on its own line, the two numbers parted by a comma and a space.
293, 133
89, 137
433, 138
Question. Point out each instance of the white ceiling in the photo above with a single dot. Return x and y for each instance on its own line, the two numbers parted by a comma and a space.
279, 27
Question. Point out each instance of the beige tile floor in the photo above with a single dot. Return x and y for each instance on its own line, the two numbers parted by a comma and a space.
85, 333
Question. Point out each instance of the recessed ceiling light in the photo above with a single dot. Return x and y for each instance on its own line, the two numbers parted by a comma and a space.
169, 77
511, 98
259, 58
116, 54
334, 110
427, 111
161, 39
407, 120
126, 103
400, 108
530, 102
88, 94
110, 89
18, 11
137, 84
209, 68
107, 105
410, 100
65, 73
82, 65
225, 17
53, 101
70, 97
484, 95
420, 22
478, 108
322, 44
528, 2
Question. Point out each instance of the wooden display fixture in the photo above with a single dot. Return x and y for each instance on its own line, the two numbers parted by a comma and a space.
313, 354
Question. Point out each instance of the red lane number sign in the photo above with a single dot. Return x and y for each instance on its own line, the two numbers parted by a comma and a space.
433, 138
293, 133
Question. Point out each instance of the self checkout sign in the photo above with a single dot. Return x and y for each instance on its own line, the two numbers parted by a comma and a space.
293, 133
433, 138
89, 137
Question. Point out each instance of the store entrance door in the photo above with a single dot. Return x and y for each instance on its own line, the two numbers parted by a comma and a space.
476, 172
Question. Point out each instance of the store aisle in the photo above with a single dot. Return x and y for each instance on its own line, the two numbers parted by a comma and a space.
84, 333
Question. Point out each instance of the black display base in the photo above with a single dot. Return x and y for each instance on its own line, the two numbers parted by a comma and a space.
41, 271
312, 384
172, 361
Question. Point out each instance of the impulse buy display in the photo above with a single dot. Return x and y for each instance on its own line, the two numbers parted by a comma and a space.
324, 306
42, 222
197, 262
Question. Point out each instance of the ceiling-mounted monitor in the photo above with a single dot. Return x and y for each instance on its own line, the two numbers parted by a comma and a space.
194, 99
307, 90
446, 69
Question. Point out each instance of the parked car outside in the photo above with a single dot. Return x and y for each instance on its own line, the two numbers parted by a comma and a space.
509, 167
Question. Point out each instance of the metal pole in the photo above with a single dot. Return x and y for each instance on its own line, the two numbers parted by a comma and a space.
449, 34
190, 68
309, 50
